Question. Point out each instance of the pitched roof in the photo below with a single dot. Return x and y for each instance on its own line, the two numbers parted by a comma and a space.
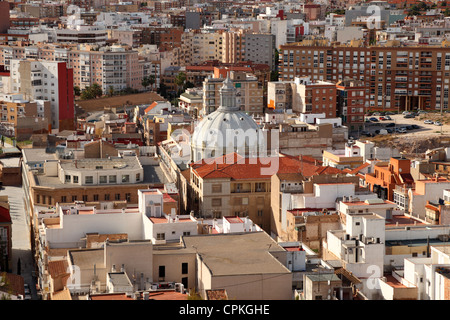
57, 268
150, 107
357, 169
236, 167
14, 284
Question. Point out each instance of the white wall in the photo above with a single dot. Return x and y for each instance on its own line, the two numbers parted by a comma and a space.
75, 227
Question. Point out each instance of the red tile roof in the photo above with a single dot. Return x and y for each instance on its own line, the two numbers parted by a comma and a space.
150, 107
236, 167
14, 284
57, 268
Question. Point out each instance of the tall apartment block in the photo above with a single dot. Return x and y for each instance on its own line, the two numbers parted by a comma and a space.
249, 93
395, 77
116, 66
303, 95
46, 80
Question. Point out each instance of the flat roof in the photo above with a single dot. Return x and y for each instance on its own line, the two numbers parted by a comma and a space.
237, 253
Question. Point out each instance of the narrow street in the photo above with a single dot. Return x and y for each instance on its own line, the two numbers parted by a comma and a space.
21, 245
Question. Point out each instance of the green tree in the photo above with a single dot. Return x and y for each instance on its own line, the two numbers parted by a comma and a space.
180, 81
274, 75
77, 90
96, 90
145, 82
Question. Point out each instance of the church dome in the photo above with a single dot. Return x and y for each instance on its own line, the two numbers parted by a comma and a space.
226, 130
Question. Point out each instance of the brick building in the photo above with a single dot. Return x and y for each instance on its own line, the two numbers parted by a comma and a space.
395, 77
388, 175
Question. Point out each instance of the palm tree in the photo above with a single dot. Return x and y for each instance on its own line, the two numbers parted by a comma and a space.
180, 80
111, 91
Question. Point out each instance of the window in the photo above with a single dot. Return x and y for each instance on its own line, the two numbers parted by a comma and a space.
103, 179
186, 233
125, 178
112, 179
162, 271
107, 197
184, 268
128, 196
85, 197
74, 198
67, 179
117, 196
89, 180
75, 179
63, 199
216, 188
160, 236
217, 202
95, 196
138, 176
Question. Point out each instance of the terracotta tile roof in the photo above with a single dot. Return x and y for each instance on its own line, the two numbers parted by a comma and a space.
356, 170
234, 166
218, 294
168, 198
57, 268
167, 295
14, 284
150, 107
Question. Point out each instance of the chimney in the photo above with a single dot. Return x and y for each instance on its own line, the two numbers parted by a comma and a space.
113, 268
122, 269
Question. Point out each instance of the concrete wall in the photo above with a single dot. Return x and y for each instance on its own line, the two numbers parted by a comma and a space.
75, 227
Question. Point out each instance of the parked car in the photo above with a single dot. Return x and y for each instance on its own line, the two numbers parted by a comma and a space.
411, 115
390, 113
390, 124
389, 130
402, 130
422, 112
373, 119
437, 123
415, 126
365, 133
382, 118
428, 122
387, 117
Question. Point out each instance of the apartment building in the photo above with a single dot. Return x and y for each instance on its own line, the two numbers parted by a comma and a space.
46, 80
249, 92
198, 47
82, 34
388, 175
396, 77
25, 116
351, 103
303, 95
116, 66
